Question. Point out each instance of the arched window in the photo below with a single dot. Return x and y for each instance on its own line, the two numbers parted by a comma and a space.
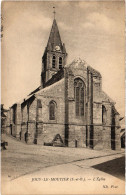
79, 96
104, 114
52, 110
60, 63
53, 61
39, 110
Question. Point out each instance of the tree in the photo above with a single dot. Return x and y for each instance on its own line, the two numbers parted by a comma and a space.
3, 118
1, 28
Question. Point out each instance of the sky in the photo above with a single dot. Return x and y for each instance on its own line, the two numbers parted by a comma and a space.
91, 30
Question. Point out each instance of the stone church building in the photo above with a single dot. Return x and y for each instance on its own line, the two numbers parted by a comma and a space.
69, 108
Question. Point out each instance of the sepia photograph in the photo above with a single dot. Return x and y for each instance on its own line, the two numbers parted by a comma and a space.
63, 97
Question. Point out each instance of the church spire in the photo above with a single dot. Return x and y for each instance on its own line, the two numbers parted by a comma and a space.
55, 55
54, 38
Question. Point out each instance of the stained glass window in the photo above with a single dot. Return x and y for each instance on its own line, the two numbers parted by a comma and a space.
79, 96
52, 110
60, 63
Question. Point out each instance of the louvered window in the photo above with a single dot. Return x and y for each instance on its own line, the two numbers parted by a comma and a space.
60, 63
53, 61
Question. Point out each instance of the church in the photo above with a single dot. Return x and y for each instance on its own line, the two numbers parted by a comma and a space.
69, 108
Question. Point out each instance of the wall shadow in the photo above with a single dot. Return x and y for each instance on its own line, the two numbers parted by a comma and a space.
114, 167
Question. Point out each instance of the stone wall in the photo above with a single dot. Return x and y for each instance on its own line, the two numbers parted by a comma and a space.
77, 136
23, 136
50, 128
8, 125
98, 128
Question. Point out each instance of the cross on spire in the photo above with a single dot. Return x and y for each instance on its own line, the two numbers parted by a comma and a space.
54, 12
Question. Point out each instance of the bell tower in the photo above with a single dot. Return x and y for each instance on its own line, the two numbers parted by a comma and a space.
54, 57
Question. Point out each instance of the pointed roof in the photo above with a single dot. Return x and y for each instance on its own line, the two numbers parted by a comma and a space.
54, 37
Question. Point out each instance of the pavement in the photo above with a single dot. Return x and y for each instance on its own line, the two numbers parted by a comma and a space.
36, 169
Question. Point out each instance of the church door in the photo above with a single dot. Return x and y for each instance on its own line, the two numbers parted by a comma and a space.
26, 137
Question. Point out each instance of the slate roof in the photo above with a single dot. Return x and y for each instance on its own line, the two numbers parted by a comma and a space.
54, 39
37, 89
